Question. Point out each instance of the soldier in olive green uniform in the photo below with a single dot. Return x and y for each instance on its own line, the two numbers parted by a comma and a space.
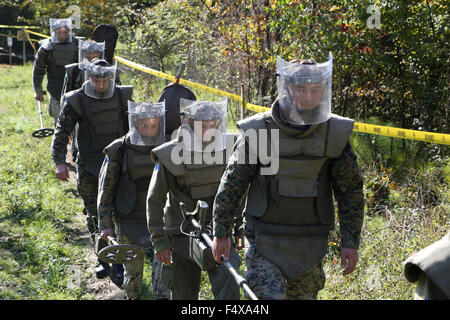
54, 53
123, 185
185, 171
99, 109
430, 268
289, 210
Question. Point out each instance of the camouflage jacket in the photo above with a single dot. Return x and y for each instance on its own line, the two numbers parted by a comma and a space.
108, 180
347, 186
67, 120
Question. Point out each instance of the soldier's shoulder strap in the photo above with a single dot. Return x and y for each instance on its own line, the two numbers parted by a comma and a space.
125, 94
163, 155
73, 98
46, 44
339, 131
116, 147
257, 121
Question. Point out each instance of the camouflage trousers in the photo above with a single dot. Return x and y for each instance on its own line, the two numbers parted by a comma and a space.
268, 283
54, 108
87, 186
133, 272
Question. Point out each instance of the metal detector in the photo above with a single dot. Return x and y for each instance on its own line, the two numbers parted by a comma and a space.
42, 132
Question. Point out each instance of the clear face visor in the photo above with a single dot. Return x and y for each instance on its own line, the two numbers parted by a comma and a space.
203, 125
304, 91
100, 81
147, 123
88, 51
61, 30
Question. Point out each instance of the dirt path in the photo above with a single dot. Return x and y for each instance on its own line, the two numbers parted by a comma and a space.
102, 289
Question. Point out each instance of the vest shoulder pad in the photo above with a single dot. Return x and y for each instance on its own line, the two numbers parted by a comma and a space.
257, 121
127, 91
163, 154
72, 97
115, 147
434, 261
339, 131
46, 44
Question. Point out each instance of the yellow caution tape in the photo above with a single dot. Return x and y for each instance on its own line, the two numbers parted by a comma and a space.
31, 42
432, 137
182, 81
19, 27
37, 33
8, 35
440, 138
15, 37
255, 108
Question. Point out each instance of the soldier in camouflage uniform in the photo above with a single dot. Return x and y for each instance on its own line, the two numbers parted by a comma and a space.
289, 210
182, 172
52, 56
123, 185
99, 109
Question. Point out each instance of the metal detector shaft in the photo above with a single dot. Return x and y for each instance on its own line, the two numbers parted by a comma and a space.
40, 114
240, 280
42, 132
112, 241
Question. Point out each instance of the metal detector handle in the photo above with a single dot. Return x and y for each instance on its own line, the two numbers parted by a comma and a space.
180, 72
112, 241
40, 114
201, 208
40, 109
240, 280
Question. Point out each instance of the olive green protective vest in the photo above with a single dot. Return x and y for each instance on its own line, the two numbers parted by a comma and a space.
434, 262
292, 211
194, 181
59, 55
101, 122
131, 191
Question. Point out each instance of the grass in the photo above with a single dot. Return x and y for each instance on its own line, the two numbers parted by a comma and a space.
37, 213
42, 256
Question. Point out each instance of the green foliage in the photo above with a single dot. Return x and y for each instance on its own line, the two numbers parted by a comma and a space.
397, 72
92, 12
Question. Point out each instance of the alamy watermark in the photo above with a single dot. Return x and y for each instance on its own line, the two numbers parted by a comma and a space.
76, 15
262, 149
374, 21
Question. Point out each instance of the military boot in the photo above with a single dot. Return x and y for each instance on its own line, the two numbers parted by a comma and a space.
102, 269
116, 274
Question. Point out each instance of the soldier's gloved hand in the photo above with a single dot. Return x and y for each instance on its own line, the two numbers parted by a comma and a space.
105, 233
62, 172
38, 96
239, 242
349, 258
221, 246
164, 256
